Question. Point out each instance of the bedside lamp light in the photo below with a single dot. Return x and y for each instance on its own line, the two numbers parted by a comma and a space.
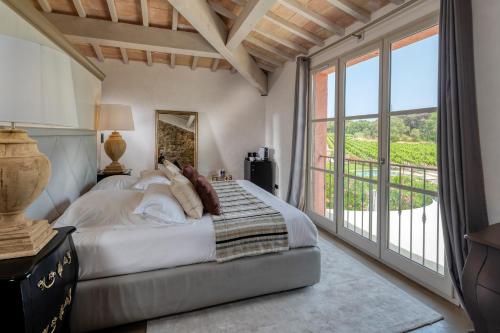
115, 117
36, 88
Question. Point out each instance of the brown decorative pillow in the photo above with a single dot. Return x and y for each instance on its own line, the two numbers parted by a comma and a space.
190, 173
207, 195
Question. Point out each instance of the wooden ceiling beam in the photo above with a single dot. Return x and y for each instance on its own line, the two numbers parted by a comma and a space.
131, 36
79, 8
46, 7
144, 12
252, 13
112, 10
352, 9
212, 28
98, 52
294, 29
269, 48
215, 65
124, 54
220, 9
194, 63
282, 41
266, 58
239, 2
397, 2
266, 67
305, 12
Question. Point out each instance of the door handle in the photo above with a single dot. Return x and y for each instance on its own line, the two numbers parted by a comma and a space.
382, 161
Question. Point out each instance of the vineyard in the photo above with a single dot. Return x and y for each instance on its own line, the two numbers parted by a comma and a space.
411, 153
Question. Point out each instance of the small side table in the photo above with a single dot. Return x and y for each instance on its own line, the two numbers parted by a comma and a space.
226, 178
101, 175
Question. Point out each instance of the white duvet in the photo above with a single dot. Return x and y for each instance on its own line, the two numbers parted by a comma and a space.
110, 240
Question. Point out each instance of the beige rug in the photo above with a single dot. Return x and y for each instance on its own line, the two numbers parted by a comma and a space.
350, 298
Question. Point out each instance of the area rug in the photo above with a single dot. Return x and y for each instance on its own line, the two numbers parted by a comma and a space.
349, 298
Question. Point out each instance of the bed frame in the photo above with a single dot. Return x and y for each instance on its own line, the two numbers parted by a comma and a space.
117, 300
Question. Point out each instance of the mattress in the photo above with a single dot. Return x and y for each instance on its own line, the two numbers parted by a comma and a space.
112, 241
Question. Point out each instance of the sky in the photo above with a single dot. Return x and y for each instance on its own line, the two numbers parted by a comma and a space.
414, 71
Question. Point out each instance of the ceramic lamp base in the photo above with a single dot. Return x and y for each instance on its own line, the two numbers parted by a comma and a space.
115, 148
25, 241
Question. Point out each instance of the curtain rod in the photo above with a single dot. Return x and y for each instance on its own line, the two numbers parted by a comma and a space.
366, 26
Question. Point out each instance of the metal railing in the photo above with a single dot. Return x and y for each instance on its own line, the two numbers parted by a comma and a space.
414, 219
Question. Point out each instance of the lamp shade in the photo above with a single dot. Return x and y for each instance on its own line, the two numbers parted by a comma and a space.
36, 84
116, 117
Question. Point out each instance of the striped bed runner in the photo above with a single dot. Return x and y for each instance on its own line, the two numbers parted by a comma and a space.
246, 225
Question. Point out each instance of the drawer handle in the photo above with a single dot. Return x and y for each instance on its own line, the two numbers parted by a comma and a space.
53, 323
44, 283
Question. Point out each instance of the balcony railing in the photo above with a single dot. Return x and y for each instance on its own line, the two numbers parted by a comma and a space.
414, 226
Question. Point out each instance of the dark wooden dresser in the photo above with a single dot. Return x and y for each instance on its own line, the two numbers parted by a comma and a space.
481, 280
260, 173
37, 292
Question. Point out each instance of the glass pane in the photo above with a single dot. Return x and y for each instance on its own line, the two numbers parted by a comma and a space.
323, 191
324, 83
414, 71
360, 176
323, 145
414, 230
362, 85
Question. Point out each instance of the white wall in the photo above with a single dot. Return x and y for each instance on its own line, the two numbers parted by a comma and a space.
87, 86
231, 112
486, 53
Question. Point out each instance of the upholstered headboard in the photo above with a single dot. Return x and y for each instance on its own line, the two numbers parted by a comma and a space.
73, 157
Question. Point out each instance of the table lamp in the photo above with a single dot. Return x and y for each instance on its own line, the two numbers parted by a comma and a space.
36, 88
115, 117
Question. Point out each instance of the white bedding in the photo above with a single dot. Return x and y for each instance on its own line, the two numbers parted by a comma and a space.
110, 240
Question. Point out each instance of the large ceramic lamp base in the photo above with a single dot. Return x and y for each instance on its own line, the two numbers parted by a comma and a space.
24, 173
115, 148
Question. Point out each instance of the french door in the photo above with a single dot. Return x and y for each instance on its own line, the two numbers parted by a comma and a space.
373, 159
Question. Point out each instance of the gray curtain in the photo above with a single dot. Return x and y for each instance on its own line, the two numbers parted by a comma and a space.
462, 197
296, 185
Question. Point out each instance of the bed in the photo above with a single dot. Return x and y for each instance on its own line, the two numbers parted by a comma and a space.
132, 269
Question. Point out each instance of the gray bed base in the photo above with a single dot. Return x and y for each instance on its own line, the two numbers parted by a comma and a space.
118, 300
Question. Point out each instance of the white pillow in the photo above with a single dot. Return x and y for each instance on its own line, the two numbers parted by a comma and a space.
159, 204
148, 179
170, 170
184, 191
118, 182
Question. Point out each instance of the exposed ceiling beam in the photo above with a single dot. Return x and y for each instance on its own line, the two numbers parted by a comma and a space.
144, 12
172, 60
79, 8
262, 56
194, 63
112, 10
131, 36
175, 19
213, 29
253, 11
282, 41
123, 51
45, 5
351, 9
294, 29
397, 2
266, 67
269, 48
240, 2
98, 52
220, 9
215, 65
312, 16
149, 58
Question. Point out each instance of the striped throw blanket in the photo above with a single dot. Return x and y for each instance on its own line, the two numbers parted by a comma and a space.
246, 225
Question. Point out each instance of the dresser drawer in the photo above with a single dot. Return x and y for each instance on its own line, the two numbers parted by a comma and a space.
51, 288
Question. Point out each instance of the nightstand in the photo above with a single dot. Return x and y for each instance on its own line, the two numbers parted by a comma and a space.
38, 291
101, 175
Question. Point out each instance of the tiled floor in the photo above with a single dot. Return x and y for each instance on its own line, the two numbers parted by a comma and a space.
455, 319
